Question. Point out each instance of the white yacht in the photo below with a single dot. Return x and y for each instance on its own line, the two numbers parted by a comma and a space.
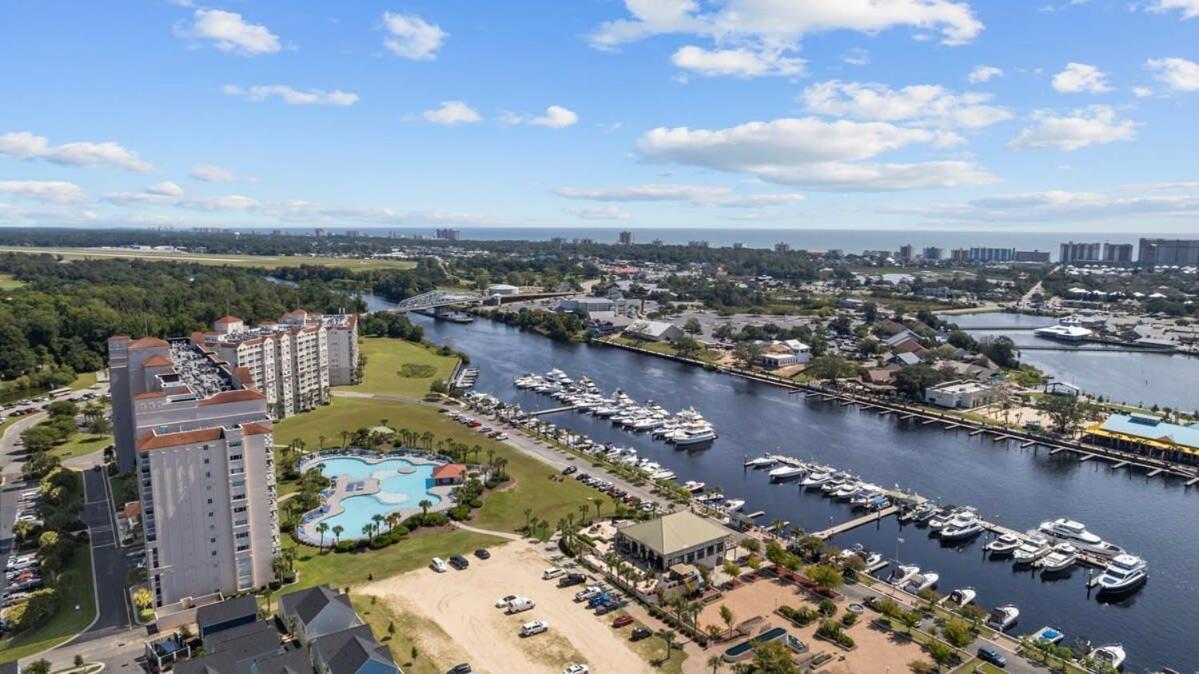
961, 597
694, 437
1004, 545
1003, 617
786, 472
693, 486
1125, 573
964, 525
1069, 530
1109, 655
664, 474
921, 581
1033, 548
847, 490
816, 478
1060, 558
902, 574
764, 461
734, 504
834, 483
866, 494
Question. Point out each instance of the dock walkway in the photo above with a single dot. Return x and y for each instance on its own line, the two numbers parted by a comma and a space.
855, 523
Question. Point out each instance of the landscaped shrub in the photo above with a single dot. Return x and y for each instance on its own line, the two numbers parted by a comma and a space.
459, 513
801, 616
849, 619
831, 630
827, 608
417, 371
39, 608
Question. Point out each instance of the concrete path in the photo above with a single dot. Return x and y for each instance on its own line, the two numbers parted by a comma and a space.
489, 532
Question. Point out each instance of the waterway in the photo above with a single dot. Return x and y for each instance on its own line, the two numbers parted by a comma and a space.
1011, 486
1141, 379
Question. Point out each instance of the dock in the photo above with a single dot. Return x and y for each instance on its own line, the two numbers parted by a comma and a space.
1192, 481
552, 410
855, 523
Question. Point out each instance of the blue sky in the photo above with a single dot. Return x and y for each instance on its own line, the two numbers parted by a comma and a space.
899, 114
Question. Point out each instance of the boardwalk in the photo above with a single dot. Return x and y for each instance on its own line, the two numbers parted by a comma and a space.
855, 523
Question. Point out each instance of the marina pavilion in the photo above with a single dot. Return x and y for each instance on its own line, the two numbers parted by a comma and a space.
678, 538
1147, 434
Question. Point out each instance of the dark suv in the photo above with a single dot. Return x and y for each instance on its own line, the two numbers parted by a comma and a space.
459, 562
572, 579
640, 633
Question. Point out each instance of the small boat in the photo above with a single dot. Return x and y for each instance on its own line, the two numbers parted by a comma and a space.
1124, 574
1004, 545
1049, 635
939, 519
924, 513
816, 478
846, 491
763, 461
902, 574
1003, 617
693, 486
921, 581
734, 504
664, 474
964, 526
1033, 548
1060, 558
786, 473
960, 597
1109, 655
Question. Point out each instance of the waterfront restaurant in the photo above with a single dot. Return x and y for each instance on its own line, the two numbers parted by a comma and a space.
678, 538
1147, 434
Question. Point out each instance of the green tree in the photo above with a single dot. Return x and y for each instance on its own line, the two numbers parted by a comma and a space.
692, 326
1066, 411
957, 632
828, 576
727, 617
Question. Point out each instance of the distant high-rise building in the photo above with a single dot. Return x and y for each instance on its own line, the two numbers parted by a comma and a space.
985, 255
1074, 253
627, 238
1117, 252
1032, 256
1168, 252
782, 247
698, 244
318, 232
906, 252
449, 234
933, 253
737, 245
584, 242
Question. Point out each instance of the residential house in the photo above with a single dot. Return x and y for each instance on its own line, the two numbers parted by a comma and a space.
961, 394
653, 331
227, 614
312, 613
449, 474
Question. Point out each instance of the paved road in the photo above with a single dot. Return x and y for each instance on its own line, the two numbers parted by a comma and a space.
108, 558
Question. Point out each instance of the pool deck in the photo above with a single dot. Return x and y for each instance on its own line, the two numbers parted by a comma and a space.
332, 497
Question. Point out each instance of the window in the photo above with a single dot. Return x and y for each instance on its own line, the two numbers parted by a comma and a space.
235, 457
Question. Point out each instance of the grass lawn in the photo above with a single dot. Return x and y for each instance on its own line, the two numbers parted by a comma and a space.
265, 261
80, 444
75, 584
502, 510
384, 359
379, 617
7, 282
347, 569
652, 649
85, 380
660, 347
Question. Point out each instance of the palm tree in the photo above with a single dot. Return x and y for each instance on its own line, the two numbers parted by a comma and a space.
427, 438
345, 435
367, 529
425, 504
715, 662
528, 519
337, 529
378, 520
322, 441
668, 637
322, 527
583, 510
599, 504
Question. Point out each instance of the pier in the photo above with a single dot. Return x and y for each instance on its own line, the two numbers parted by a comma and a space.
552, 410
855, 523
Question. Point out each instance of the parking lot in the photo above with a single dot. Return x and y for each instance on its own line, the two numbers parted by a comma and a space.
463, 604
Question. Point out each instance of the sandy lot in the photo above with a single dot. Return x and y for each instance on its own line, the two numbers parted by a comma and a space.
462, 603
877, 651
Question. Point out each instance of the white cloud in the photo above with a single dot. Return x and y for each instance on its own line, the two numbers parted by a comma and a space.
739, 62
925, 104
212, 174
412, 37
168, 193
984, 73
782, 23
699, 195
166, 188
45, 191
1142, 92
229, 32
1080, 78
1094, 125
608, 212
1177, 73
1190, 8
25, 145
856, 57
556, 117
291, 96
1055, 206
452, 112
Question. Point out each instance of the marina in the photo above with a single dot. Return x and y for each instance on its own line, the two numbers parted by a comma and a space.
1011, 486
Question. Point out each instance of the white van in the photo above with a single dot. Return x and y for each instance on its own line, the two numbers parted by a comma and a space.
552, 573
438, 565
520, 604
535, 627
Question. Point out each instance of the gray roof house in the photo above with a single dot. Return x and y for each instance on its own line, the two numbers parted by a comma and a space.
317, 611
352, 651
227, 614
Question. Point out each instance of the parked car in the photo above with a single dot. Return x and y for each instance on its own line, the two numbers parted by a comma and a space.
463, 668
608, 607
640, 633
572, 579
520, 604
599, 599
534, 627
482, 553
587, 593
622, 621
459, 562
552, 573
576, 669
989, 654
570, 470
438, 565
503, 602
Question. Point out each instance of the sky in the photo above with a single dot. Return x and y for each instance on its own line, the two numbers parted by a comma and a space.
1038, 115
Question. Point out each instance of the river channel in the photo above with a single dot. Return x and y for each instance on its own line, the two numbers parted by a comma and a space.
1012, 486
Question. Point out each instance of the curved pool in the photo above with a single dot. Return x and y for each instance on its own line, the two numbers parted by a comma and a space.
402, 486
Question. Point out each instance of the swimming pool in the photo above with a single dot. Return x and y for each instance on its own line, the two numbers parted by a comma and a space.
402, 485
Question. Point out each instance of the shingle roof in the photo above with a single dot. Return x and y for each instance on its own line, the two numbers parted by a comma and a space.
230, 609
245, 642
292, 662
307, 604
674, 532
356, 651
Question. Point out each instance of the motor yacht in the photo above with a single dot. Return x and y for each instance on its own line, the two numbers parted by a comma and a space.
902, 574
1125, 573
1003, 617
961, 597
1003, 546
1060, 558
786, 472
1069, 530
939, 518
664, 474
834, 483
964, 526
816, 478
846, 491
924, 513
693, 486
864, 495
694, 437
1050, 635
1109, 655
1033, 548
921, 581
764, 461
1102, 549
734, 504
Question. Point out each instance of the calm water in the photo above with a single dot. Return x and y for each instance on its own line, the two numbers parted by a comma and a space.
396, 490
1019, 488
1131, 378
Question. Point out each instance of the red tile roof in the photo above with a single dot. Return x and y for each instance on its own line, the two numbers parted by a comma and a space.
450, 471
232, 397
158, 360
255, 428
148, 342
227, 319
150, 394
154, 441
